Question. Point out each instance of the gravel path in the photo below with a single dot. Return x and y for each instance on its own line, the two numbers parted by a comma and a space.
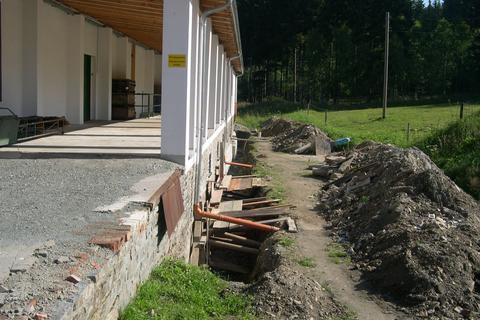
55, 199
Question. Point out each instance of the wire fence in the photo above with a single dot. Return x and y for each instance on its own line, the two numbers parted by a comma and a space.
404, 126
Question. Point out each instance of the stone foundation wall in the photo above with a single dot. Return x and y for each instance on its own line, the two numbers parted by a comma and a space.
109, 290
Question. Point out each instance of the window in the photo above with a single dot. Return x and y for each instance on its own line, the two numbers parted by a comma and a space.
162, 223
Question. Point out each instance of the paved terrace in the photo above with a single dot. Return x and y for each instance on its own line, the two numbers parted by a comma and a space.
51, 204
139, 137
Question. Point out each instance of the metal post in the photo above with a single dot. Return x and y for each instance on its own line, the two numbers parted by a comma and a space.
149, 112
408, 132
326, 116
295, 79
385, 76
461, 110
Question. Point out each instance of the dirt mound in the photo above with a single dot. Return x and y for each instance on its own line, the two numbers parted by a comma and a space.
242, 131
275, 126
413, 233
294, 137
282, 291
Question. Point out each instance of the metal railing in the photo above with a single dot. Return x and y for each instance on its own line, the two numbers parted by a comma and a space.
33, 129
147, 104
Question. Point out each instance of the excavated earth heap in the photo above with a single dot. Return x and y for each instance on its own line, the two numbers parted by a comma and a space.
413, 233
293, 137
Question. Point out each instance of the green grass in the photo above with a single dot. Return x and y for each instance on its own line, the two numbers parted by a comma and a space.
176, 290
307, 262
349, 316
337, 253
363, 124
456, 149
453, 144
286, 242
276, 186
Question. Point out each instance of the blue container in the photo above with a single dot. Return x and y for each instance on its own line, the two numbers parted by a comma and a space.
342, 142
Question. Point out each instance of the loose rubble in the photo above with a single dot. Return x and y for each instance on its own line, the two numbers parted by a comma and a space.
293, 137
283, 291
413, 233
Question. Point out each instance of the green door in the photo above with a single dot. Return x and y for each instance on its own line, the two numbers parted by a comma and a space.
87, 87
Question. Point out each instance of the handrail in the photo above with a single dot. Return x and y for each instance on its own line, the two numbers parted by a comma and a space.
13, 113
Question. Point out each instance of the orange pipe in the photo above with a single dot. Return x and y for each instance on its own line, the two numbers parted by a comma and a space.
243, 222
243, 165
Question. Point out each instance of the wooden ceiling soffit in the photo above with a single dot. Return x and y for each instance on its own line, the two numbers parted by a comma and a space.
223, 26
141, 20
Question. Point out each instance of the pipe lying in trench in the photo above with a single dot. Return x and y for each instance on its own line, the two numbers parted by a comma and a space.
243, 222
242, 165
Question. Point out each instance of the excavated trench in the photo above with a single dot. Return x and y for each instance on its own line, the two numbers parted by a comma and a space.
242, 261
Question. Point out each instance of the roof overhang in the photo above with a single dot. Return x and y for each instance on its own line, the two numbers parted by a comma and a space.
142, 20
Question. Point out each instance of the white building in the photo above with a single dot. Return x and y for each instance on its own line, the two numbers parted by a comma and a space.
59, 57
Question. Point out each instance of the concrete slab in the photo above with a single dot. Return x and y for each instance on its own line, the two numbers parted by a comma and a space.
52, 207
139, 137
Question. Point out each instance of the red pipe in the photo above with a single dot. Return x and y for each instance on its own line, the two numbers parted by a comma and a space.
243, 222
243, 165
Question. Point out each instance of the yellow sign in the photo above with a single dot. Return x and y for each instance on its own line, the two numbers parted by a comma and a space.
177, 61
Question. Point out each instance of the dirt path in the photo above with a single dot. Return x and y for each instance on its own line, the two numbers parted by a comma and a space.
312, 240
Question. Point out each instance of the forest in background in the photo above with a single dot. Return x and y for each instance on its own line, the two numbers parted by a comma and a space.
337, 50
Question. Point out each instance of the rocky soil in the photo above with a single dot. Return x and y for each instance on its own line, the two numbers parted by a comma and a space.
411, 231
293, 137
283, 291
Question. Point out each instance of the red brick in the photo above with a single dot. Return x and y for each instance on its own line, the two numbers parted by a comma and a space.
41, 316
73, 278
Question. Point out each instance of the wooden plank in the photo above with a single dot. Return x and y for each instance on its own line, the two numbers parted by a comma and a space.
263, 203
231, 246
216, 197
243, 240
269, 222
226, 182
227, 206
240, 184
250, 214
254, 199
284, 206
228, 266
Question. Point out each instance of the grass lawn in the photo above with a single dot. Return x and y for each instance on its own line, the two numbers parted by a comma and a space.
453, 144
364, 124
176, 290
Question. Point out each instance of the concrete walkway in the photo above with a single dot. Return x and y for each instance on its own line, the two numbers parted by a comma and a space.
139, 137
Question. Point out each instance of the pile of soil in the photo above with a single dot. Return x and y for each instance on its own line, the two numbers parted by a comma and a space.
282, 291
413, 233
293, 137
275, 126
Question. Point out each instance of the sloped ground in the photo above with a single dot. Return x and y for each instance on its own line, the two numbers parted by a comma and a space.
411, 230
292, 137
283, 291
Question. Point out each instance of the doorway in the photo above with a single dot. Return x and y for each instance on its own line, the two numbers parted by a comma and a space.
87, 88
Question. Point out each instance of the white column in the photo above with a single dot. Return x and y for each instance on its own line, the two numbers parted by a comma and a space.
176, 79
207, 74
194, 73
234, 94
75, 68
228, 91
220, 84
225, 88
30, 57
103, 105
213, 84
122, 57
149, 71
